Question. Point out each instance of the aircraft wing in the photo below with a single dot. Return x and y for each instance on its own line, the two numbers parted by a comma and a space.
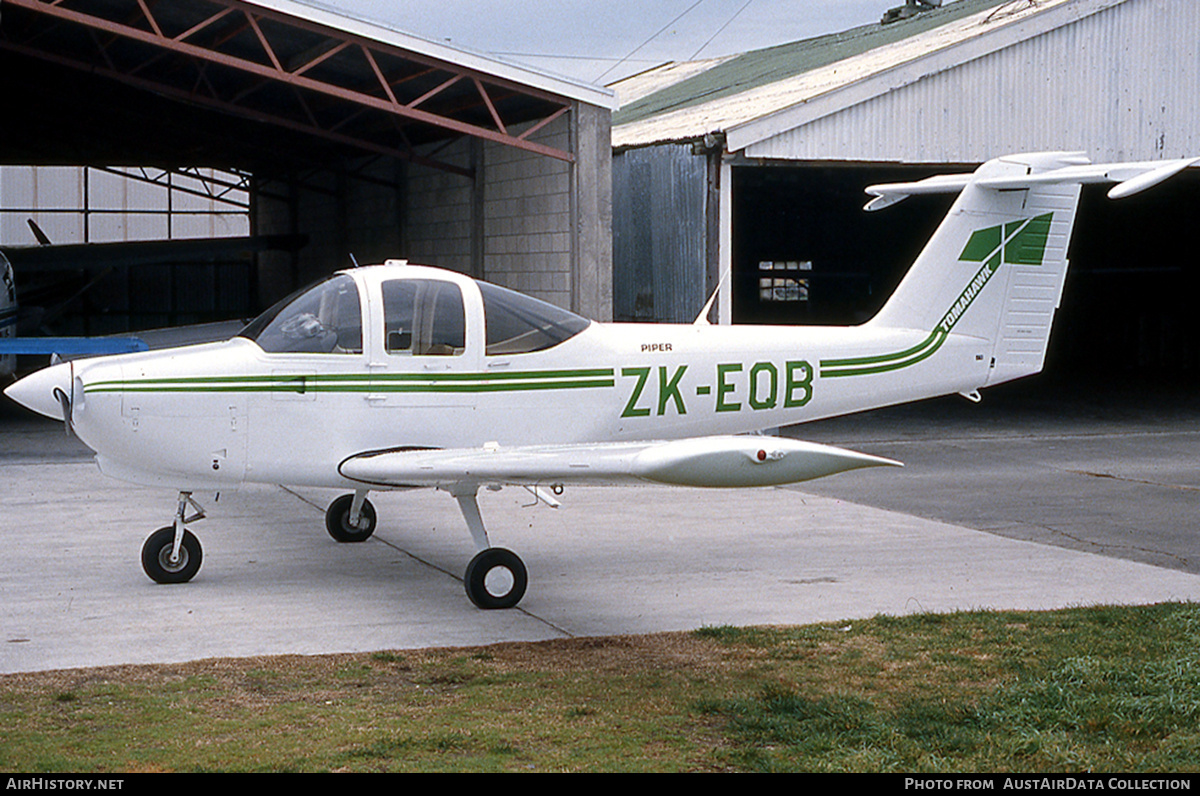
61, 349
719, 461
75, 256
48, 257
190, 334
70, 347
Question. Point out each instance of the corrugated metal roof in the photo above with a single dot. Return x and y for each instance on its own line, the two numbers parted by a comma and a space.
727, 77
651, 81
756, 95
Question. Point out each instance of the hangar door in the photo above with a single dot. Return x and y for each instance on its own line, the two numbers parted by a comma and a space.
804, 252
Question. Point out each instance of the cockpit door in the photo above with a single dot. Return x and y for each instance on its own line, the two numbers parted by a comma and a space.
305, 390
424, 357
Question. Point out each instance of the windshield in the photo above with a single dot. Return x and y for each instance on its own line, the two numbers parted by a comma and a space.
519, 324
325, 318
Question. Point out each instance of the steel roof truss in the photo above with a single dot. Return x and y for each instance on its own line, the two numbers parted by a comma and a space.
212, 187
271, 68
202, 25
260, 116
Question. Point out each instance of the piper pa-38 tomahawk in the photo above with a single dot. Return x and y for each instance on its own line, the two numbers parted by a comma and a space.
399, 376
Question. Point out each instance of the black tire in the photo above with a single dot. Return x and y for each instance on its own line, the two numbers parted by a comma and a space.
156, 554
505, 587
337, 520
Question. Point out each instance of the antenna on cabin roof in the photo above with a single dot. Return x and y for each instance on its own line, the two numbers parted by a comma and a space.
910, 9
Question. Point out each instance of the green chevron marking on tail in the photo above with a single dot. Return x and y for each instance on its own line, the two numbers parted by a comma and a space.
1021, 242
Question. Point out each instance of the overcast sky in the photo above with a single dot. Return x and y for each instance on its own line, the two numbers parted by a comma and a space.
587, 39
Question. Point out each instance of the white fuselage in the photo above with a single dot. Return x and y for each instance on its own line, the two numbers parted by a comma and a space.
222, 414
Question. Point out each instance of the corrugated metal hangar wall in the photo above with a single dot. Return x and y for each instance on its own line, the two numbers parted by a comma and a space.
1120, 83
1115, 78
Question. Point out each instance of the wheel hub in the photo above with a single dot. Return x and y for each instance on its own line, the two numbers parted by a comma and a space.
499, 581
172, 563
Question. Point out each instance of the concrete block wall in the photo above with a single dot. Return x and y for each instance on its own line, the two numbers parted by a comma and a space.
527, 218
529, 222
438, 215
341, 214
511, 225
525, 221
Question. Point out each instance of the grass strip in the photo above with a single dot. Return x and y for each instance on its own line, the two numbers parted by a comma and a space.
1090, 689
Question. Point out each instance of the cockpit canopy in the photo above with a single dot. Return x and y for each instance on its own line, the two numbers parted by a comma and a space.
325, 318
421, 317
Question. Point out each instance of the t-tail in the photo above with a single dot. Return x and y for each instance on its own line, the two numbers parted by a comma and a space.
995, 268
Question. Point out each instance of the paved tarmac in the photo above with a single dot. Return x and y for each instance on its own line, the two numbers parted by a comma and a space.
1010, 504
1085, 466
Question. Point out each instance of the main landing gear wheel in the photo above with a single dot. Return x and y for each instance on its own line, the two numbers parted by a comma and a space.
156, 556
496, 578
337, 520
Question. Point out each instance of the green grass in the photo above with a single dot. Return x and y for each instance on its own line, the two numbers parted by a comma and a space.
1098, 689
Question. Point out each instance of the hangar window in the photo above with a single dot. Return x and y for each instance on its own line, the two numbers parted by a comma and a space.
423, 317
779, 280
520, 324
323, 319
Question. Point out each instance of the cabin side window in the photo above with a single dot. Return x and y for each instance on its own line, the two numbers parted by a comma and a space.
323, 319
423, 317
520, 324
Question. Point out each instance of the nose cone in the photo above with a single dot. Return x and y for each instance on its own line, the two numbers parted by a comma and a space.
37, 390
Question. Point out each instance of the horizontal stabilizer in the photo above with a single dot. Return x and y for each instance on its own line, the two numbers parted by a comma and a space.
888, 194
1149, 179
727, 461
1132, 178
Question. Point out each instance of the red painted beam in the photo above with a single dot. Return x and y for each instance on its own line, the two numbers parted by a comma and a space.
277, 73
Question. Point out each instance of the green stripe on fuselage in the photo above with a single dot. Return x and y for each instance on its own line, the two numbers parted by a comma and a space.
367, 382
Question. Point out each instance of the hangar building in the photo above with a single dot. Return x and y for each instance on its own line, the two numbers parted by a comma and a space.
372, 142
754, 166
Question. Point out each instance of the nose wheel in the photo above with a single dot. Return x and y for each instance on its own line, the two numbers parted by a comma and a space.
173, 554
163, 564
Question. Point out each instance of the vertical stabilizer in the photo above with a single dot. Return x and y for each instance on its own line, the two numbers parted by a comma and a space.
994, 270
